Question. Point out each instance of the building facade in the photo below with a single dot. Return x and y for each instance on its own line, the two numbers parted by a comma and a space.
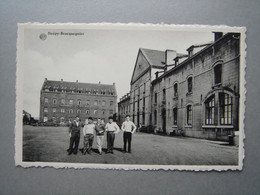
62, 101
196, 93
200, 96
123, 108
148, 62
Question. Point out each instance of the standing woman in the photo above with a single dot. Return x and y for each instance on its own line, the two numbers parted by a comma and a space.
100, 132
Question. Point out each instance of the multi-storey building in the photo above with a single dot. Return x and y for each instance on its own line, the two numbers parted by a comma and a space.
201, 94
197, 93
123, 108
62, 101
148, 62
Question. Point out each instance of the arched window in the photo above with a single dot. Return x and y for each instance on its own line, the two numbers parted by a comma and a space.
210, 110
175, 90
218, 74
189, 84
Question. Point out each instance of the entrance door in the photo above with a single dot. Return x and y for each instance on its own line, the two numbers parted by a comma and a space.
164, 120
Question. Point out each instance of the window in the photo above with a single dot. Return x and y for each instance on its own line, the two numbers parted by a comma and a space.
87, 111
210, 111
155, 117
225, 109
54, 101
62, 110
95, 103
71, 102
62, 120
87, 102
189, 84
143, 118
54, 119
111, 103
95, 112
45, 110
175, 90
45, 119
218, 73
103, 111
155, 98
164, 94
62, 101
189, 115
46, 100
110, 111
79, 102
78, 111
103, 103
54, 110
144, 87
70, 111
175, 116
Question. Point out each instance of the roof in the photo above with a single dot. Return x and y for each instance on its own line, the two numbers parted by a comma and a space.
192, 57
78, 86
154, 57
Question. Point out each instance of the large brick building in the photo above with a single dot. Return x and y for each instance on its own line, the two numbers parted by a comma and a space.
62, 101
197, 93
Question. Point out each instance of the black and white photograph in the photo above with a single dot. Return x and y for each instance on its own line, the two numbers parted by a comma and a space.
130, 96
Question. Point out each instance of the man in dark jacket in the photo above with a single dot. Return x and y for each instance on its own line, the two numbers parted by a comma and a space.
74, 131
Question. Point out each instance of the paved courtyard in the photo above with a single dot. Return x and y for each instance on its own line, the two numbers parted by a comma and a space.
49, 144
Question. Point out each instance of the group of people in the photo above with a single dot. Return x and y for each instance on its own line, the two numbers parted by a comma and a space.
100, 128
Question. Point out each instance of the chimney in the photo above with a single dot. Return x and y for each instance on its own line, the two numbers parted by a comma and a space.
114, 84
61, 80
169, 56
77, 81
218, 35
99, 82
45, 79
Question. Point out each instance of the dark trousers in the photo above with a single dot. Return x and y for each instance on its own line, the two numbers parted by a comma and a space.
74, 140
127, 139
88, 142
110, 141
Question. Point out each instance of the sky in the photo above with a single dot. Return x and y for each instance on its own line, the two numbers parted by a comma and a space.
105, 55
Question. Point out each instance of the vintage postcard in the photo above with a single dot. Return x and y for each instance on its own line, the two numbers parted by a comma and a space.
130, 96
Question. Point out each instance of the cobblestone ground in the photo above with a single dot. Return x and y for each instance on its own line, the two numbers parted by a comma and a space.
49, 144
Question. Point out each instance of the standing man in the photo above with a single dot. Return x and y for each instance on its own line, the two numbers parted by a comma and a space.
100, 132
74, 131
111, 128
129, 128
88, 133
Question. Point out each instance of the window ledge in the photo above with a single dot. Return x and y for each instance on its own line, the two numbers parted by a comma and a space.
188, 126
218, 126
189, 93
217, 85
174, 126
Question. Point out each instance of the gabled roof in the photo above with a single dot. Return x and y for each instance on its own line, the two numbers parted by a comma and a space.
154, 57
65, 85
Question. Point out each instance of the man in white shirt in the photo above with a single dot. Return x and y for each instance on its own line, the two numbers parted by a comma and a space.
111, 129
129, 128
88, 133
